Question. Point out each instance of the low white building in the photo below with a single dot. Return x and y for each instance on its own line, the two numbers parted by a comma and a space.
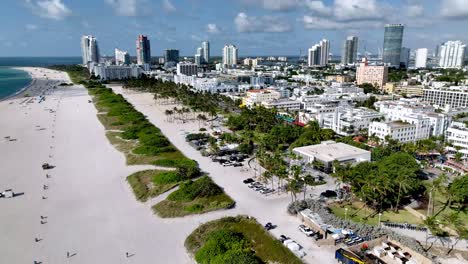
457, 135
347, 121
283, 104
455, 96
256, 97
329, 151
114, 72
396, 130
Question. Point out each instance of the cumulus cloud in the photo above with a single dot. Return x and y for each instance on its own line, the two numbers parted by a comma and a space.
312, 22
318, 7
276, 5
355, 10
168, 6
124, 7
454, 9
245, 23
414, 10
212, 28
52, 9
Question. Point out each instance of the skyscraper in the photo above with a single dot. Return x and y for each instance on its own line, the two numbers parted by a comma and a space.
405, 56
143, 50
230, 53
452, 54
171, 55
421, 58
325, 52
393, 40
121, 57
89, 49
206, 51
314, 55
350, 48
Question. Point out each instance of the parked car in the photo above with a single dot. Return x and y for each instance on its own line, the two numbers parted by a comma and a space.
237, 164
328, 194
254, 184
227, 164
249, 180
266, 191
306, 230
47, 166
318, 236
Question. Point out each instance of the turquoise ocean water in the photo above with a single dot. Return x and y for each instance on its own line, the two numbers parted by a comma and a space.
12, 81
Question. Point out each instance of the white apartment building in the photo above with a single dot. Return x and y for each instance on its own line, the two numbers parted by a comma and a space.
113, 72
230, 53
89, 49
421, 58
428, 122
454, 96
347, 121
283, 104
452, 55
121, 57
397, 130
188, 69
457, 135
256, 97
375, 75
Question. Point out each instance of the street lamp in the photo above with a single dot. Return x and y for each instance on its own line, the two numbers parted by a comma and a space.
380, 215
345, 213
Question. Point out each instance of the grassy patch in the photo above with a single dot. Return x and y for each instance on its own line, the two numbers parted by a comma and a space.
194, 197
151, 183
265, 247
360, 214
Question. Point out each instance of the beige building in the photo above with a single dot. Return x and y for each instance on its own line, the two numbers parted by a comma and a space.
375, 75
339, 78
409, 90
257, 97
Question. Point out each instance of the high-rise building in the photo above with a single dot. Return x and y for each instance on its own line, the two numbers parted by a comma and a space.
89, 49
198, 59
325, 52
393, 40
171, 55
314, 55
405, 57
143, 49
350, 48
230, 53
318, 55
206, 51
121, 57
452, 54
421, 58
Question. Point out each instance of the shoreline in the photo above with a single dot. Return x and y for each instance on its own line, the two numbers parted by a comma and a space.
23, 89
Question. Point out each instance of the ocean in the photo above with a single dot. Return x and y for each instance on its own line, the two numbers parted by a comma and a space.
12, 81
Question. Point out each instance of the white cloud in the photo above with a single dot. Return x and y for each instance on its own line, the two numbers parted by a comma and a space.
212, 28
52, 9
124, 7
349, 10
245, 23
318, 7
311, 22
454, 8
276, 5
31, 27
168, 6
414, 10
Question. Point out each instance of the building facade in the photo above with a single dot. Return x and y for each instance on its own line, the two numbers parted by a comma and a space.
121, 57
206, 51
405, 57
113, 72
452, 55
454, 96
393, 40
396, 130
143, 49
188, 69
375, 75
171, 55
421, 58
350, 49
89, 49
457, 135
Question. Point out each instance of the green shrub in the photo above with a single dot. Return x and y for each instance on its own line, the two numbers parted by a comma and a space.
194, 208
167, 177
188, 191
172, 162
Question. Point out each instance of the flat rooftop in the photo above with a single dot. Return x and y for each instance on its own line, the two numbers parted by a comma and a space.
329, 151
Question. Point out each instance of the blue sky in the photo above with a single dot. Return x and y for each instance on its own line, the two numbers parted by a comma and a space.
257, 27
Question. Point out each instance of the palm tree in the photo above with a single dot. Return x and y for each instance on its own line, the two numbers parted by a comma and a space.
308, 181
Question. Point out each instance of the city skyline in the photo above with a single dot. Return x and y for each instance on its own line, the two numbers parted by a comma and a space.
258, 27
